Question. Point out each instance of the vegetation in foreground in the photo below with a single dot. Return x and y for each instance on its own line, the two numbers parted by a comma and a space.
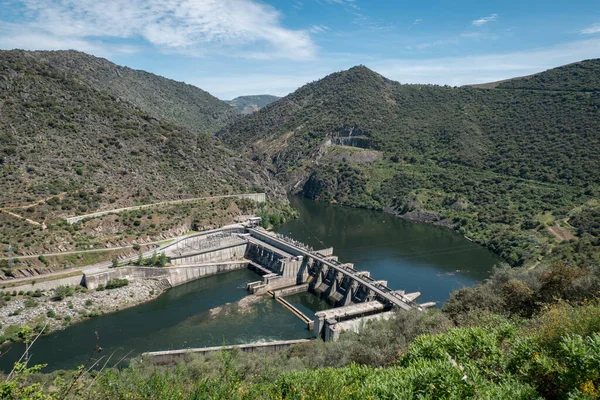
548, 347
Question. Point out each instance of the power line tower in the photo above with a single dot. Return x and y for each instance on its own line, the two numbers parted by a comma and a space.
11, 261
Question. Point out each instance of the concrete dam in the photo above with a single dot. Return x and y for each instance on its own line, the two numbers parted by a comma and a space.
286, 267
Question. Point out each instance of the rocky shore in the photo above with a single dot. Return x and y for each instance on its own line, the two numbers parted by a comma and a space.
35, 312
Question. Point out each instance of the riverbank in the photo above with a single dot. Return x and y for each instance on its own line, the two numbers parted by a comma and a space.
35, 312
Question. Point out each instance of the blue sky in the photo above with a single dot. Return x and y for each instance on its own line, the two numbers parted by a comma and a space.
239, 47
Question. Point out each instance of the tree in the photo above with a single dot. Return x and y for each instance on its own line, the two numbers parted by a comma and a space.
154, 260
162, 260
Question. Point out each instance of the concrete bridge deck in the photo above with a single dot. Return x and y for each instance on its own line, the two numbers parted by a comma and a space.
384, 292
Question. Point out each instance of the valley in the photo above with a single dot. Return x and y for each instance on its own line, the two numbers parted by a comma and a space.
123, 195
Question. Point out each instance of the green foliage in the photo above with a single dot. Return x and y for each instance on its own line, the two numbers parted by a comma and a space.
581, 76
162, 260
96, 126
30, 303
43, 259
587, 221
63, 291
524, 292
115, 283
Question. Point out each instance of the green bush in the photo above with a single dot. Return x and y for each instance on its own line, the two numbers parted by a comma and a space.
63, 291
30, 303
115, 283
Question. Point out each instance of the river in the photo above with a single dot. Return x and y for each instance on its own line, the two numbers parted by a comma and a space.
413, 257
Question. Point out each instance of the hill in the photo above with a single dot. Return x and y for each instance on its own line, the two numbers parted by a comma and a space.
250, 104
499, 166
582, 76
162, 98
67, 149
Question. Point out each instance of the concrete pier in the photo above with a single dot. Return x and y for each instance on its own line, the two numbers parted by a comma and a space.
174, 356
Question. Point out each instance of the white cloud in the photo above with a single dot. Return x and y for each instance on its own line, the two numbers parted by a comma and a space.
484, 20
348, 3
455, 71
417, 21
319, 29
186, 26
591, 30
486, 68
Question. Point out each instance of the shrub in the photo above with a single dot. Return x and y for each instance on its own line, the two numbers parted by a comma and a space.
50, 314
63, 291
116, 283
30, 303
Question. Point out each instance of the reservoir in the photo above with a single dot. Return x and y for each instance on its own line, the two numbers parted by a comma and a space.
215, 311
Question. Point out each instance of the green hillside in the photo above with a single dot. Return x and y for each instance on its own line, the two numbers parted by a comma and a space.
582, 76
162, 98
68, 149
500, 166
250, 104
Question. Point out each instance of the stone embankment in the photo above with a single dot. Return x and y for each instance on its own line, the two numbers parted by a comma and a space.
80, 306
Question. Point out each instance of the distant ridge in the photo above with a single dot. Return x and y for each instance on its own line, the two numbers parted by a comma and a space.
249, 104
583, 76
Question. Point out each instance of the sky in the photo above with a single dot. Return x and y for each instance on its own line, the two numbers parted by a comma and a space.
242, 47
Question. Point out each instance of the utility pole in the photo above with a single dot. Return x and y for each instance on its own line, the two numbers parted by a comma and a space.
11, 262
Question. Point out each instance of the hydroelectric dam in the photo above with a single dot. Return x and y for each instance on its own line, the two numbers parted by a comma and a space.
287, 267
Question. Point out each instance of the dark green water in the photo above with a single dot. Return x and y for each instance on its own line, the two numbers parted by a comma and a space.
177, 319
415, 257
410, 256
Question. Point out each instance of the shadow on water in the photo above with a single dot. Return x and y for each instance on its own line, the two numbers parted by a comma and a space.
206, 312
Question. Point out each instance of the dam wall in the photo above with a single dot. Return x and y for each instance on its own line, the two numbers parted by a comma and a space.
173, 276
235, 250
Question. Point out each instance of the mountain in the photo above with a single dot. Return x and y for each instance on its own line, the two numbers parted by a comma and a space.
501, 166
69, 148
59, 134
166, 99
250, 104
